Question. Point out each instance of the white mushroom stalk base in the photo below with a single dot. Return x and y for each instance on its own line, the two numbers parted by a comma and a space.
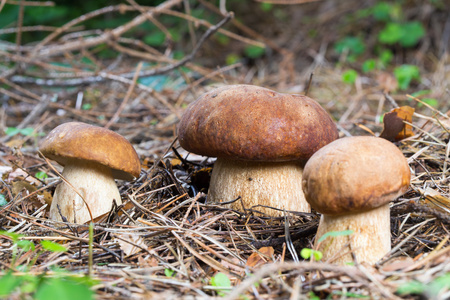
94, 182
274, 184
370, 241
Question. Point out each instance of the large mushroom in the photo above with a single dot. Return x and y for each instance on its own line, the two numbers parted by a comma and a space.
261, 139
92, 157
351, 182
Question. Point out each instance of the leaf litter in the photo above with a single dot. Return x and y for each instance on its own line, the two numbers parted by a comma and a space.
167, 240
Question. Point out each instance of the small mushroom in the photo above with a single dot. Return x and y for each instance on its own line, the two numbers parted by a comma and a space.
92, 157
351, 182
261, 139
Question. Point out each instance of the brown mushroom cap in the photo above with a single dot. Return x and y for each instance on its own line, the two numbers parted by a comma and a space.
246, 122
355, 174
80, 141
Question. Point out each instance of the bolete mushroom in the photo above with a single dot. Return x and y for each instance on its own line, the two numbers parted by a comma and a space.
351, 182
92, 157
261, 139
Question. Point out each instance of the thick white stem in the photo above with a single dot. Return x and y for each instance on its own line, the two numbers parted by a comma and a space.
94, 182
274, 184
370, 241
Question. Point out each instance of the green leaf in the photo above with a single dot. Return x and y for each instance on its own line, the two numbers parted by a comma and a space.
12, 131
27, 131
335, 234
52, 246
86, 106
404, 74
411, 287
3, 201
14, 236
155, 39
232, 58
265, 6
382, 11
8, 283
220, 280
349, 76
254, 51
390, 34
412, 33
63, 288
169, 272
25, 245
369, 65
41, 175
354, 45
430, 101
350, 295
437, 285
306, 253
421, 93
386, 57
407, 34
313, 296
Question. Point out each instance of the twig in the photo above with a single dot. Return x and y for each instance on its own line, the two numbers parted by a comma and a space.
115, 117
309, 83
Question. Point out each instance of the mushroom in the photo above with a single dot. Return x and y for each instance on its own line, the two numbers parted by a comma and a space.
351, 182
92, 157
261, 139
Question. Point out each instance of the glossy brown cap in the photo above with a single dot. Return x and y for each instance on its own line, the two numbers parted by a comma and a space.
355, 174
76, 140
246, 122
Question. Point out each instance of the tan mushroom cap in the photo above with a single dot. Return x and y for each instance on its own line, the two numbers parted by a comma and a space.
355, 174
80, 141
246, 122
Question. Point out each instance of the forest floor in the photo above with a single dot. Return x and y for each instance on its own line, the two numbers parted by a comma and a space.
167, 240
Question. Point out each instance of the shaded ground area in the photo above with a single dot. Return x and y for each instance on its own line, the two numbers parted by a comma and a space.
167, 240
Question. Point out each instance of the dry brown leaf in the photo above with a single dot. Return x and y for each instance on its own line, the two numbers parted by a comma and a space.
45, 197
435, 200
264, 256
19, 186
21, 174
394, 127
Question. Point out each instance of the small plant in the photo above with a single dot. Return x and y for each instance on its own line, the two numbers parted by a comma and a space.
308, 253
395, 30
169, 272
3, 201
353, 46
430, 101
221, 282
405, 74
252, 51
349, 76
61, 285
41, 175
12, 131
432, 290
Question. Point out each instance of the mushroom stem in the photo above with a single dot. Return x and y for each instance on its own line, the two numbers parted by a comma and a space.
370, 241
94, 182
274, 184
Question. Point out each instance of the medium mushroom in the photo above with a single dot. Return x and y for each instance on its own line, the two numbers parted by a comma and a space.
351, 182
261, 139
92, 157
